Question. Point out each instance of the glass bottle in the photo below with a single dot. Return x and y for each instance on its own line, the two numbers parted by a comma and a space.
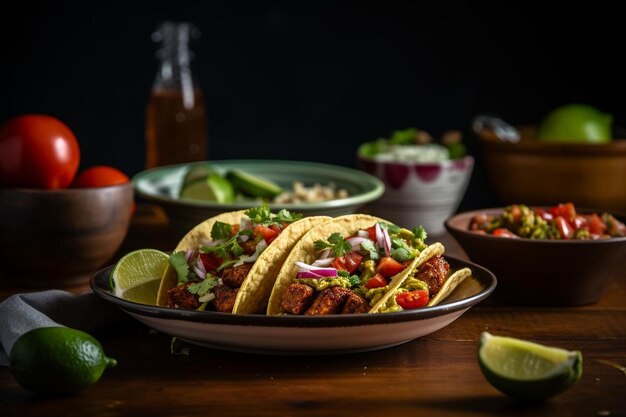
176, 120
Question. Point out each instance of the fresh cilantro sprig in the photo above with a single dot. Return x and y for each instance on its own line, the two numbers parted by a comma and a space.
286, 216
203, 287
179, 263
420, 233
263, 215
402, 251
371, 248
354, 280
221, 230
226, 250
336, 243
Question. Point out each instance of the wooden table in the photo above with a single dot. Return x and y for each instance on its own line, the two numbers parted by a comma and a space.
434, 375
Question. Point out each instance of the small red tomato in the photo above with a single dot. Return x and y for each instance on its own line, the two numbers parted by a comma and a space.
99, 176
412, 299
377, 281
37, 151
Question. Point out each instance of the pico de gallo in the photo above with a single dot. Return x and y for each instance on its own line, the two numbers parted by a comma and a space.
561, 221
353, 272
210, 275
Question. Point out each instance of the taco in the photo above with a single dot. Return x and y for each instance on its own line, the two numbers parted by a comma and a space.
347, 266
228, 263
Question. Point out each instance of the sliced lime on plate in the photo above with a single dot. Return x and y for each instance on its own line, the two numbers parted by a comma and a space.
212, 188
253, 186
527, 370
137, 275
197, 172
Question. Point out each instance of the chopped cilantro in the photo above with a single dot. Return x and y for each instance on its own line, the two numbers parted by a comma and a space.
354, 280
226, 264
337, 244
221, 230
369, 246
203, 287
260, 215
392, 228
420, 233
342, 273
401, 254
286, 216
179, 263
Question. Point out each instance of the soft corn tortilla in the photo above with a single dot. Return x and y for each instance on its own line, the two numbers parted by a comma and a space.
305, 251
256, 288
451, 283
396, 282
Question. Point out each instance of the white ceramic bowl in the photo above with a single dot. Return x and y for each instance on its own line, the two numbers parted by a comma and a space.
425, 193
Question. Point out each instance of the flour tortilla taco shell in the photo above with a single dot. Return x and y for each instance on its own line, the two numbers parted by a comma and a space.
305, 251
256, 288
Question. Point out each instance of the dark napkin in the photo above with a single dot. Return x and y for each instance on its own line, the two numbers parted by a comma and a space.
21, 313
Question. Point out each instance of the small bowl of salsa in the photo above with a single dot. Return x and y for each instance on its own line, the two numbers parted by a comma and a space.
557, 255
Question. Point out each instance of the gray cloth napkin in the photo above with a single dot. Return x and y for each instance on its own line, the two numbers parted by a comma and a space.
21, 313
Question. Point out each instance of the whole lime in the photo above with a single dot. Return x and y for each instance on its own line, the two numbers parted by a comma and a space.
576, 123
57, 360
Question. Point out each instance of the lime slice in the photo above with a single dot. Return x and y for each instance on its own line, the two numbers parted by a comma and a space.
213, 188
253, 186
527, 370
197, 172
136, 277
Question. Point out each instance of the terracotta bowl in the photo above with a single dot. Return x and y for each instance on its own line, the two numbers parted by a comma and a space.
532, 172
59, 238
419, 194
543, 272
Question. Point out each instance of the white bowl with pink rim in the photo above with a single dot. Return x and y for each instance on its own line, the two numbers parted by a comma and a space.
419, 193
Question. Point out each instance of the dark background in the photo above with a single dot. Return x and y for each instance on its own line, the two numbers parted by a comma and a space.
312, 80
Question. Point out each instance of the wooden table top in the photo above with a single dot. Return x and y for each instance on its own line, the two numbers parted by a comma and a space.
434, 375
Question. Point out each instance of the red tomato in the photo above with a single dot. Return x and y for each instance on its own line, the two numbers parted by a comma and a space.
210, 261
565, 210
412, 299
595, 224
565, 229
99, 176
377, 281
543, 214
268, 234
348, 262
389, 267
502, 232
37, 151
372, 232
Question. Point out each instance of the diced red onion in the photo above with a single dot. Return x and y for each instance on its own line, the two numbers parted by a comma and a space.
363, 233
188, 253
199, 272
260, 247
317, 273
210, 243
387, 242
243, 238
200, 266
325, 272
308, 274
325, 254
379, 236
323, 262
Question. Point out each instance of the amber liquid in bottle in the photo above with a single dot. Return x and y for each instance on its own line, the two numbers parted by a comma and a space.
175, 131
176, 120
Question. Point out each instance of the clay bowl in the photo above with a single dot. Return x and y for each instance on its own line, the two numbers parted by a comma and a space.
543, 272
532, 172
59, 238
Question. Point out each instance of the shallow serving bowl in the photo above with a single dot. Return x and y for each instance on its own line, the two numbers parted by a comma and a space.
543, 272
533, 172
162, 186
59, 238
300, 335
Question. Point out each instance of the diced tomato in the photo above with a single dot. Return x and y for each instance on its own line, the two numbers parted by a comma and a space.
412, 299
516, 213
565, 229
234, 229
595, 224
565, 210
372, 232
210, 261
266, 233
349, 262
579, 222
377, 281
543, 213
389, 267
502, 232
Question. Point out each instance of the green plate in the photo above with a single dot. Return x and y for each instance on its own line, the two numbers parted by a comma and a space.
162, 186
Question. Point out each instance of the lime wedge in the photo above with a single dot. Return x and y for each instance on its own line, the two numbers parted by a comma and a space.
527, 370
253, 186
213, 188
136, 277
197, 172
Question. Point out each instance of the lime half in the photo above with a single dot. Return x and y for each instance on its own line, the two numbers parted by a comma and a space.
137, 276
198, 172
527, 370
212, 188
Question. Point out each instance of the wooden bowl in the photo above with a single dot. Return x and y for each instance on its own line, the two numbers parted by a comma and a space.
539, 271
59, 238
537, 173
